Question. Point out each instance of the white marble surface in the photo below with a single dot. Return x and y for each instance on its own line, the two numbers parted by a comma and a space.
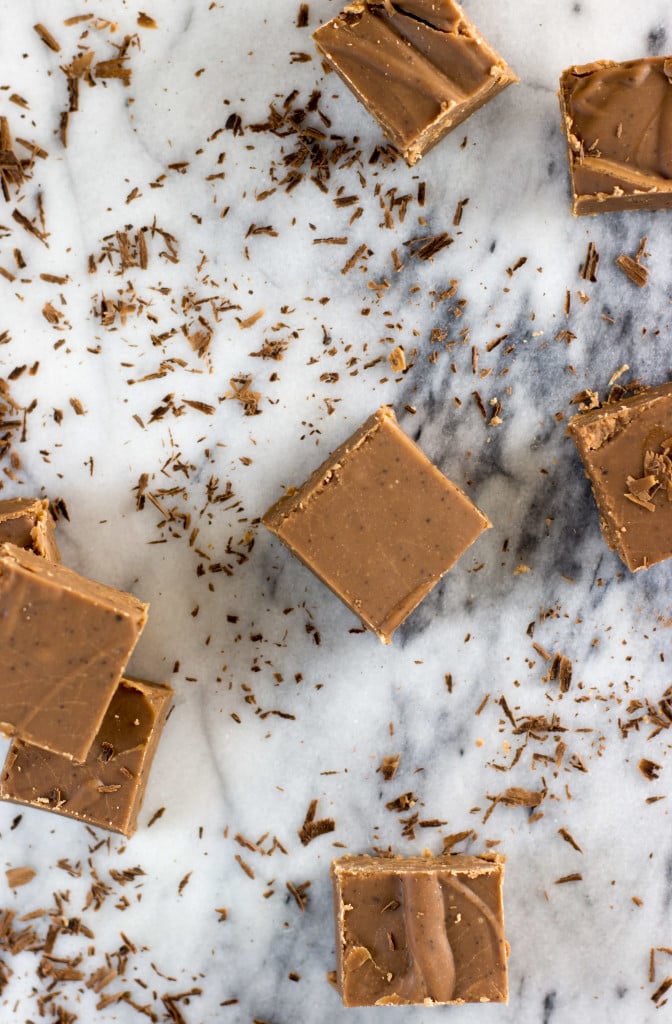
579, 951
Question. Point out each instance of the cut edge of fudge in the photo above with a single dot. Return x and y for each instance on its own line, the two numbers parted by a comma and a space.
454, 110
53, 795
607, 186
298, 498
472, 866
59, 580
40, 536
593, 429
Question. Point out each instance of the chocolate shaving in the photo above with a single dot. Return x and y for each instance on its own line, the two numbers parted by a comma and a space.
589, 268
19, 876
388, 766
633, 270
47, 38
569, 838
312, 827
649, 769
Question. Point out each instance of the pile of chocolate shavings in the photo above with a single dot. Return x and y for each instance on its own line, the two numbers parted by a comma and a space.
657, 478
13, 429
67, 960
84, 67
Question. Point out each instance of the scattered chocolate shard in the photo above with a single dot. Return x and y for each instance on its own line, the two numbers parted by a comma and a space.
649, 769
47, 38
19, 876
312, 827
388, 766
637, 273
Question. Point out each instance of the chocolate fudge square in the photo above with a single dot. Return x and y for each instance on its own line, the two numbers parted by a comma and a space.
27, 523
420, 67
422, 930
378, 523
107, 789
617, 119
65, 641
626, 448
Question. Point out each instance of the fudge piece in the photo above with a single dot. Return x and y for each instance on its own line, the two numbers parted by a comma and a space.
420, 67
108, 788
626, 448
65, 641
26, 522
378, 523
425, 930
618, 120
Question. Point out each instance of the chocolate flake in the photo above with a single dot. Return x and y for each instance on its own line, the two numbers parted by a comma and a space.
19, 876
388, 766
312, 827
638, 274
47, 38
649, 769
589, 268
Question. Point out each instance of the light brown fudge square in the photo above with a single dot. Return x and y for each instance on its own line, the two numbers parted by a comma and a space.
420, 67
378, 523
616, 118
65, 642
27, 523
420, 931
107, 789
626, 448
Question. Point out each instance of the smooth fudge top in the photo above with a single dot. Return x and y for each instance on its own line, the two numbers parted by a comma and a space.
378, 523
617, 118
626, 448
107, 789
420, 931
420, 67
65, 641
27, 523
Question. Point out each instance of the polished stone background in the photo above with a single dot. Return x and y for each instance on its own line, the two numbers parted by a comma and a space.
278, 701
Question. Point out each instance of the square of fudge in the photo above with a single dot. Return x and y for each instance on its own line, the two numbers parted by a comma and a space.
27, 523
107, 789
616, 117
420, 67
421, 930
378, 523
626, 449
65, 642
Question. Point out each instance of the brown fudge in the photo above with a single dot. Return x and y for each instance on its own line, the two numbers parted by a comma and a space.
617, 119
626, 448
108, 788
26, 522
65, 641
422, 930
378, 523
420, 67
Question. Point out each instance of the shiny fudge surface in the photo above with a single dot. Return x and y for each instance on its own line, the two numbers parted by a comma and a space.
107, 789
420, 67
27, 523
378, 523
626, 448
422, 930
617, 118
65, 641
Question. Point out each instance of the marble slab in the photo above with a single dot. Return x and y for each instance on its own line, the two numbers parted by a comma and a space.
280, 699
